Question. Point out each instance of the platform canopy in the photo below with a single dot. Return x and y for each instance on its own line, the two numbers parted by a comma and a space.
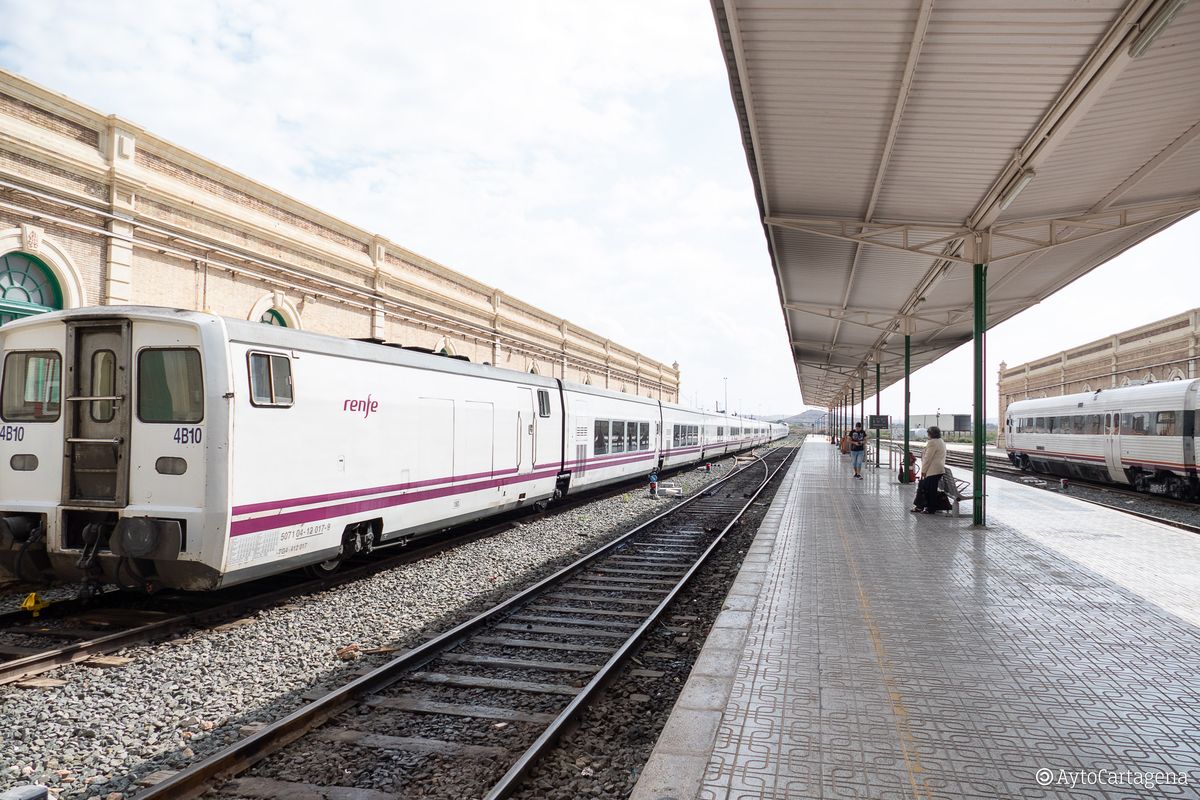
894, 143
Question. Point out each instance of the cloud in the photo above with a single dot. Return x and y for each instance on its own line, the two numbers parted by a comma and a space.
584, 158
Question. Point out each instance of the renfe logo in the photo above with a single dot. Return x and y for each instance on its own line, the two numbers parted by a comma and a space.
367, 406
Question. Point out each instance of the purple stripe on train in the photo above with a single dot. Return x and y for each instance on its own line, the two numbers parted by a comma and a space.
256, 524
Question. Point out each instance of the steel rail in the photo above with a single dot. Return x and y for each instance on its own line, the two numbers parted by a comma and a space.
549, 737
223, 765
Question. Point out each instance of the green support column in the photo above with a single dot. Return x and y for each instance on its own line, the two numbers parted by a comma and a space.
877, 414
978, 515
904, 452
850, 413
862, 400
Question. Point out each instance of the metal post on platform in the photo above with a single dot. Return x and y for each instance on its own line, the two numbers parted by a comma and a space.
862, 399
979, 438
850, 419
904, 452
877, 412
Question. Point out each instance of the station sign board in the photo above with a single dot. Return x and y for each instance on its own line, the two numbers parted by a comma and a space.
878, 422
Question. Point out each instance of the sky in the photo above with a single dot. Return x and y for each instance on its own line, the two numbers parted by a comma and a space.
581, 157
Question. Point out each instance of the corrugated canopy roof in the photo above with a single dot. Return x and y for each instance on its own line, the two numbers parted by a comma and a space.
888, 140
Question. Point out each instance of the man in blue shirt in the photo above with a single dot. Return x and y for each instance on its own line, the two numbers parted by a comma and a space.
858, 448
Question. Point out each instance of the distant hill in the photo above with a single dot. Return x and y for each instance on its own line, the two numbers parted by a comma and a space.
810, 417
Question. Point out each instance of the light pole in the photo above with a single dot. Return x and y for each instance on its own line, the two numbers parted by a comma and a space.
726, 394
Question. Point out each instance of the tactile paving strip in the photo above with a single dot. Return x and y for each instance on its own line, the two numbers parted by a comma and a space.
895, 655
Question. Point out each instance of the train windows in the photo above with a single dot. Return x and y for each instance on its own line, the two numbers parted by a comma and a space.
170, 385
600, 438
31, 387
104, 381
1165, 425
270, 380
1039, 424
1063, 425
1093, 425
694, 437
1135, 424
631, 437
543, 403
643, 435
720, 430
617, 442
1077, 424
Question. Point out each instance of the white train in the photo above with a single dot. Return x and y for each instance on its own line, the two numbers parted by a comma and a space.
1142, 436
158, 447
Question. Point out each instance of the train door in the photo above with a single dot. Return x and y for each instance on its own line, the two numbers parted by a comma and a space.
526, 429
1112, 447
97, 414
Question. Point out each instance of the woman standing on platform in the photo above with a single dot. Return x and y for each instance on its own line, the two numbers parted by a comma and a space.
933, 464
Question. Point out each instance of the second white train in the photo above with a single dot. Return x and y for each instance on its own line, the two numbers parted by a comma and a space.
1143, 436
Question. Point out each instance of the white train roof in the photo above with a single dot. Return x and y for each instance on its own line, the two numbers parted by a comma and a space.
1161, 394
256, 333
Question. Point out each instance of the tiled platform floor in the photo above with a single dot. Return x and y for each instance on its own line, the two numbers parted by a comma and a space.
896, 655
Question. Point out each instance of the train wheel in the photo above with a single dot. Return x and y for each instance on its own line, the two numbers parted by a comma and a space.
325, 569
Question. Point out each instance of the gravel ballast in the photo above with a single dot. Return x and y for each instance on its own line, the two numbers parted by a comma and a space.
181, 700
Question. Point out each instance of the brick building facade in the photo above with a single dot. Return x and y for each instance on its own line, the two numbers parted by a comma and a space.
1158, 351
97, 211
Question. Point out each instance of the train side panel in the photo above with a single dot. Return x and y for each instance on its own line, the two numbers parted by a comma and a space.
380, 449
682, 431
1139, 435
610, 438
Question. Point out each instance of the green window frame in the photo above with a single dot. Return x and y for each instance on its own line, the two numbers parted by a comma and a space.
273, 317
27, 287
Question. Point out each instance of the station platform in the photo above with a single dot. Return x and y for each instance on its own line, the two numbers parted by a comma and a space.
866, 651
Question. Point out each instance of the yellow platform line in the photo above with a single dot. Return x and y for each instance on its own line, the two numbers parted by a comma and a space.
912, 761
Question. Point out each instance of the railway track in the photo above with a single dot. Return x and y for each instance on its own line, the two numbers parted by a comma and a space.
1010, 472
84, 629
1001, 467
469, 712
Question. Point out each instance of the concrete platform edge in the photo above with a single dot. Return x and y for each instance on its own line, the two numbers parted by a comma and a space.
676, 766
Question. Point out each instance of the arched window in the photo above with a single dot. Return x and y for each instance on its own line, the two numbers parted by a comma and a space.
27, 287
273, 317
273, 308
